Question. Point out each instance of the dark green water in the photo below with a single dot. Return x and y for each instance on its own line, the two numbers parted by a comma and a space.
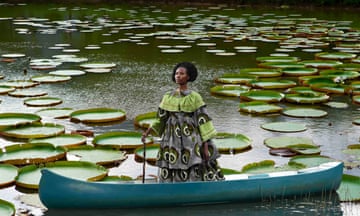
143, 73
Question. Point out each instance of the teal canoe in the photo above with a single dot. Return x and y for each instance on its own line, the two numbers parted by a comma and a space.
58, 191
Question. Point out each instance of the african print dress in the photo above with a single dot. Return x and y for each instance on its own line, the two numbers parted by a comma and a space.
185, 128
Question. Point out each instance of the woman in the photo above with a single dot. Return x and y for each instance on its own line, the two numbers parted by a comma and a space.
186, 150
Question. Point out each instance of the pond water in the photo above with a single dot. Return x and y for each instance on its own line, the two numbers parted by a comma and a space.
136, 39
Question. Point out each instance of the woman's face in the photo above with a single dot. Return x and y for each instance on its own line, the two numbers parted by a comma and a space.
181, 76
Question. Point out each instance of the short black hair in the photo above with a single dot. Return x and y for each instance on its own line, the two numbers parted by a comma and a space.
191, 70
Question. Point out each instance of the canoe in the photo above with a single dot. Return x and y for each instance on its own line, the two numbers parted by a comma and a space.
57, 191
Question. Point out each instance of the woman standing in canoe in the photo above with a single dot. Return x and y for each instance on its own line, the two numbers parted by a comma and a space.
186, 150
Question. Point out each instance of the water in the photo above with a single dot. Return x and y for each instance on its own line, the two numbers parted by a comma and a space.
143, 73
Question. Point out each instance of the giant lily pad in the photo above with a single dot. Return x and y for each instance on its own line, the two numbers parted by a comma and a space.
259, 107
67, 140
151, 153
307, 161
277, 59
335, 55
6, 89
349, 189
33, 130
16, 119
304, 112
299, 71
19, 83
27, 93
281, 65
284, 126
97, 65
272, 84
145, 120
55, 112
330, 88
340, 74
356, 99
263, 167
232, 143
348, 67
321, 64
261, 72
67, 72
42, 101
6, 208
101, 156
262, 95
98, 115
229, 90
8, 174
29, 176
307, 98
50, 78
121, 140
235, 79
22, 154
289, 142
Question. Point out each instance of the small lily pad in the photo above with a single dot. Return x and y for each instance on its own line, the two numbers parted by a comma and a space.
6, 208
289, 142
42, 101
263, 167
338, 105
98, 65
8, 174
262, 95
299, 71
29, 176
151, 153
335, 55
19, 83
66, 140
27, 93
349, 190
259, 107
321, 64
229, 90
304, 112
261, 72
281, 65
101, 156
235, 79
307, 98
145, 120
67, 72
6, 89
272, 84
123, 140
284, 126
33, 130
22, 154
307, 161
277, 59
232, 143
55, 112
98, 115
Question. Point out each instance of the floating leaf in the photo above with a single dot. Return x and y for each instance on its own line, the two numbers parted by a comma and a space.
356, 99
97, 65
6, 208
235, 79
262, 95
33, 130
277, 59
50, 78
16, 119
98, 115
321, 64
259, 107
27, 93
349, 189
304, 112
67, 140
6, 89
229, 90
19, 83
151, 153
55, 112
232, 143
22, 154
261, 72
67, 72
29, 176
42, 101
122, 140
289, 142
145, 120
284, 126
309, 160
299, 71
307, 98
8, 174
335, 55
272, 84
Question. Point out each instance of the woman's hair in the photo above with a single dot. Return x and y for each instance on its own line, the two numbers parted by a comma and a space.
191, 70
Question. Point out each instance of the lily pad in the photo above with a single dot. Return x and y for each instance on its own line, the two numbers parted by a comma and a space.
304, 112
101, 156
330, 88
33, 130
262, 95
277, 59
8, 174
281, 65
235, 79
356, 121
55, 112
19, 83
50, 78
151, 153
29, 176
307, 98
259, 107
145, 120
261, 72
284, 126
356, 99
67, 72
263, 167
42, 101
335, 55
340, 74
123, 140
22, 154
98, 65
338, 105
321, 64
16, 119
299, 71
6, 89
98, 115
349, 190
6, 208
27, 93
232, 143
272, 84
66, 140
289, 142
229, 90
13, 55
307, 161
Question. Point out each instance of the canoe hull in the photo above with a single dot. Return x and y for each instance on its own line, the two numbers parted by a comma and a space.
57, 191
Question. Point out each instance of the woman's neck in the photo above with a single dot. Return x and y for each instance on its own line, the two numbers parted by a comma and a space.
182, 87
